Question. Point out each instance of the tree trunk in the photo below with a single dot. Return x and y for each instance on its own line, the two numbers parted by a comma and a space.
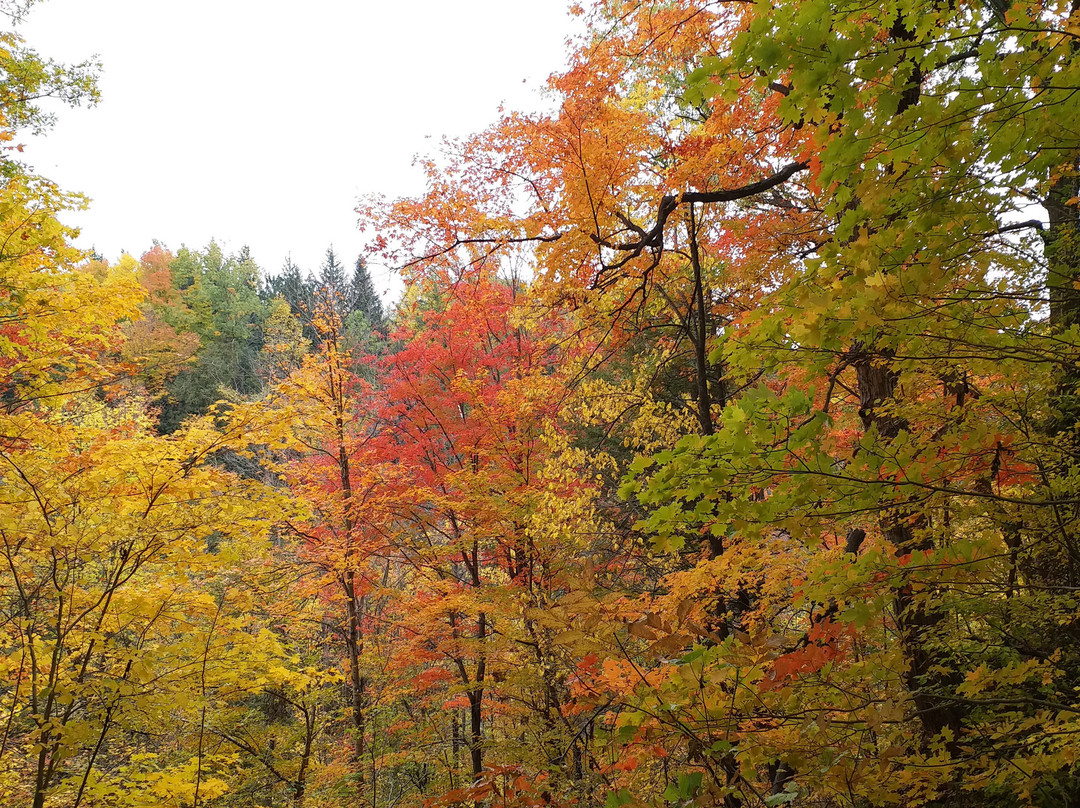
305, 757
905, 527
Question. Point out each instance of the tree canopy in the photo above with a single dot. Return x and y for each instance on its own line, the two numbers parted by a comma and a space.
722, 450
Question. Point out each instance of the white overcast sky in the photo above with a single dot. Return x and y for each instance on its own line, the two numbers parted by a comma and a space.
262, 122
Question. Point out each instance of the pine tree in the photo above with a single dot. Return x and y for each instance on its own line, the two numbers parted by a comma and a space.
297, 290
364, 299
332, 287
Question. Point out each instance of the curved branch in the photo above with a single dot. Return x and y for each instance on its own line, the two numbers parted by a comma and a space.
653, 239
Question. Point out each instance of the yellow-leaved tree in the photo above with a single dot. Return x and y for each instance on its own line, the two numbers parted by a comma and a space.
127, 559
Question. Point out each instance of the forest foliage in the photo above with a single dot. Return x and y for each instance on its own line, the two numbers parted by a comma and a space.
722, 450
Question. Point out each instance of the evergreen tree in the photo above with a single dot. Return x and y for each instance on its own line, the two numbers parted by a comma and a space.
332, 287
364, 299
291, 284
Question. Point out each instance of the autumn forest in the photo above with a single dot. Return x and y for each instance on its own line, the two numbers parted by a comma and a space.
722, 449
